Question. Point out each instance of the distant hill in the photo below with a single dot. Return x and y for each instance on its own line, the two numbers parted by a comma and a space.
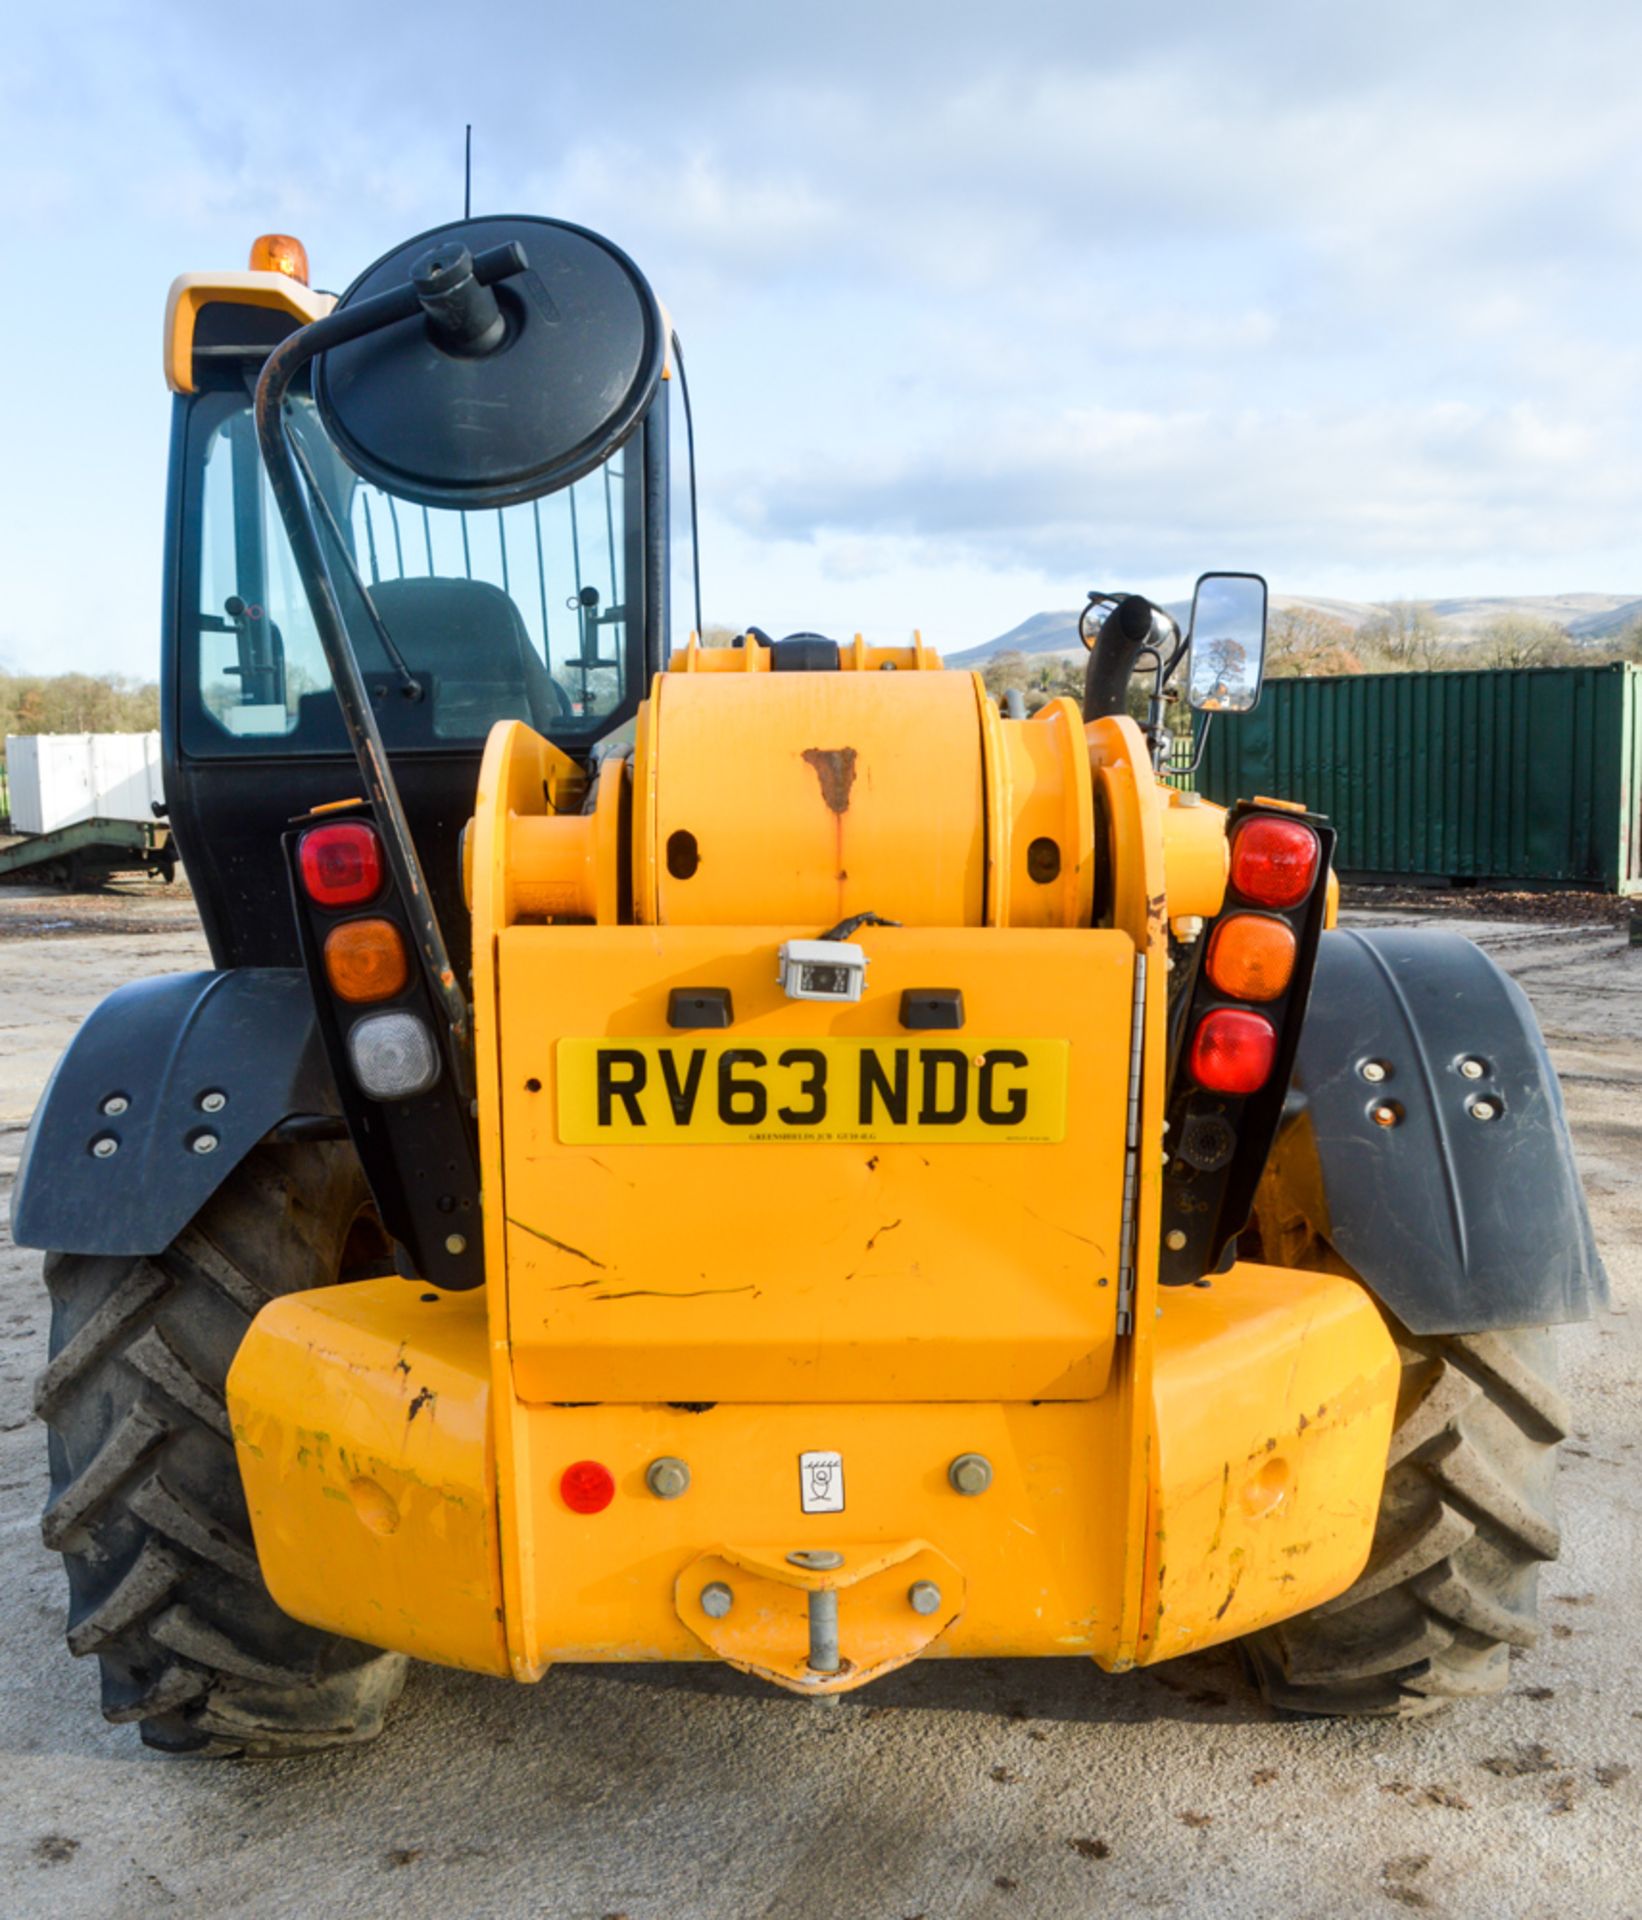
1043, 633
1583, 616
1602, 625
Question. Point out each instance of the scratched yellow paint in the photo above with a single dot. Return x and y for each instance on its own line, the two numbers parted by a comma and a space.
361, 1418
1273, 1400
1271, 1396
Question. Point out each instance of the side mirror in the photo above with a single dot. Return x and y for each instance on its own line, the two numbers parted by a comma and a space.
1228, 643
482, 395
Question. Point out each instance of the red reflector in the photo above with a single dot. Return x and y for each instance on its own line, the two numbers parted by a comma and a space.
1233, 1051
341, 864
587, 1487
1274, 862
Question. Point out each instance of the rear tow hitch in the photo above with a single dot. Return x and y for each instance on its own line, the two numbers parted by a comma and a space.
820, 1620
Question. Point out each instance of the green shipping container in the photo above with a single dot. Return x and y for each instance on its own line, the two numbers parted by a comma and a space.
1515, 776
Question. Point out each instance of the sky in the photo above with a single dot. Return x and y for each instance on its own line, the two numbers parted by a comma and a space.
983, 306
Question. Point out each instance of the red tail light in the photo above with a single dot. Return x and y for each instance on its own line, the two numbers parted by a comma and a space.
1274, 862
341, 864
587, 1487
1233, 1051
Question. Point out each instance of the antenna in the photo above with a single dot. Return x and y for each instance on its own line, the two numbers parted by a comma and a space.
467, 176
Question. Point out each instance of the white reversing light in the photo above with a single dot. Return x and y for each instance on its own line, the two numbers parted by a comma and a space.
393, 1055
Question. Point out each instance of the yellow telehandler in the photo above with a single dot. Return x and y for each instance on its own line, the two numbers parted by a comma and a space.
753, 1152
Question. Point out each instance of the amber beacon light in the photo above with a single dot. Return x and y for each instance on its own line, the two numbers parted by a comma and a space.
280, 253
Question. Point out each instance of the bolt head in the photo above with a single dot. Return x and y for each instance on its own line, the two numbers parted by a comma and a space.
213, 1102
1385, 1116
1472, 1069
204, 1142
115, 1105
716, 1600
104, 1146
1374, 1071
1174, 1240
970, 1473
923, 1596
667, 1477
1484, 1109
456, 1243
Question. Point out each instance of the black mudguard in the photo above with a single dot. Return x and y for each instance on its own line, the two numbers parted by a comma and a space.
163, 1046
1457, 1224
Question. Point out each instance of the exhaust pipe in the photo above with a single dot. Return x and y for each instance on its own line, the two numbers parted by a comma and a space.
1125, 632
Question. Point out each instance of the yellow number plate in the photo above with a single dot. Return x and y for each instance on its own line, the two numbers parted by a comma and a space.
666, 1091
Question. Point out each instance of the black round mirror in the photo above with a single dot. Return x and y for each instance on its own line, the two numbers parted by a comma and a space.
463, 412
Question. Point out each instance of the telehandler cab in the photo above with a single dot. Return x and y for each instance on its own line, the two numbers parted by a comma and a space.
750, 1152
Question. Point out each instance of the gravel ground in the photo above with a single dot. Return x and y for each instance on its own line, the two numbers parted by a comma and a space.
984, 1789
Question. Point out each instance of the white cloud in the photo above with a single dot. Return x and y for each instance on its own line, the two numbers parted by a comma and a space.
978, 303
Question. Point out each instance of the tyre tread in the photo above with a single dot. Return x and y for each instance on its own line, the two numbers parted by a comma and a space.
1448, 1592
146, 1505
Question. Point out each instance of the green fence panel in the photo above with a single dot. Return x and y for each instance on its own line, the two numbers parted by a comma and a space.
1518, 775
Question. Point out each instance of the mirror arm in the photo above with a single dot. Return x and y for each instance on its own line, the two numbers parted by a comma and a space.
409, 685
282, 366
1156, 731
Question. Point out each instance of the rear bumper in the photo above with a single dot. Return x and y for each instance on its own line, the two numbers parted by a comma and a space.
366, 1424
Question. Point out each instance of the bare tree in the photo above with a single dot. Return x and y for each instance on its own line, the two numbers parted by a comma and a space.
1406, 636
1303, 643
1517, 641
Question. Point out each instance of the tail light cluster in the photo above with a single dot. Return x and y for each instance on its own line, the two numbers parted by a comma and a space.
1275, 861
386, 1049
1235, 1018
394, 1055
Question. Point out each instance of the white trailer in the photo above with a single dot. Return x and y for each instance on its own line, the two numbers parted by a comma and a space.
84, 806
59, 779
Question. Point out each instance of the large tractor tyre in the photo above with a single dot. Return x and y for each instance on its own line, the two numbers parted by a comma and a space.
146, 1504
1467, 1515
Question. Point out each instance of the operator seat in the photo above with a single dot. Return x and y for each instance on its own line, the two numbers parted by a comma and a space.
469, 638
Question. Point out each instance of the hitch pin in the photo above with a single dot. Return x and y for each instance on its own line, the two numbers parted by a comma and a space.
824, 1630
823, 1609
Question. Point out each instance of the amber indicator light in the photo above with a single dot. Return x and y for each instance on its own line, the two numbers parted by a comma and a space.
1251, 957
365, 960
